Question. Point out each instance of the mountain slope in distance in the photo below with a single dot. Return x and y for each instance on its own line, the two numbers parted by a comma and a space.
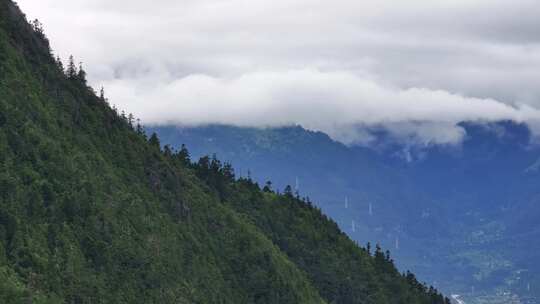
457, 216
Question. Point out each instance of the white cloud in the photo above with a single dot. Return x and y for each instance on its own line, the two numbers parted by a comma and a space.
416, 68
333, 102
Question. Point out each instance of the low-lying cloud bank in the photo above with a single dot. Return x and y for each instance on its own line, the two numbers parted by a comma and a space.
411, 67
338, 103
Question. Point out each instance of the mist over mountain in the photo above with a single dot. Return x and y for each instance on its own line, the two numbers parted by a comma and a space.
415, 69
459, 215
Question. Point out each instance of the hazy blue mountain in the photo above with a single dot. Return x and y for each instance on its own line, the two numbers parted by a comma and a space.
463, 217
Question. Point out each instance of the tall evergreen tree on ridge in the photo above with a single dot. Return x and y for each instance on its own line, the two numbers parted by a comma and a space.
71, 71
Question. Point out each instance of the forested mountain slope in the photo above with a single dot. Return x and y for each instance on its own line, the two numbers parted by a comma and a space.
93, 211
458, 216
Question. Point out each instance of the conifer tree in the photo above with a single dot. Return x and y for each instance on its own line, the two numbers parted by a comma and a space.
71, 71
139, 128
183, 155
288, 191
154, 141
81, 75
131, 119
167, 151
38, 27
228, 171
268, 187
102, 94
59, 64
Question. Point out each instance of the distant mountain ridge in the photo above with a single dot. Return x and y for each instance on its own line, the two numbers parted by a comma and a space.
449, 209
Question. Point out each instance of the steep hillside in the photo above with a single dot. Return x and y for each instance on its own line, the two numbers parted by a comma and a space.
457, 216
93, 211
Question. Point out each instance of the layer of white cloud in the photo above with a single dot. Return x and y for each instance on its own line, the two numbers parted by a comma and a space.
416, 68
333, 102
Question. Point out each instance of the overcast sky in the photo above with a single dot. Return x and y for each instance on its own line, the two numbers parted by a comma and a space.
415, 67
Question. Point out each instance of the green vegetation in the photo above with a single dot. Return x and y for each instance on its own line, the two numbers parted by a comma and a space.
93, 211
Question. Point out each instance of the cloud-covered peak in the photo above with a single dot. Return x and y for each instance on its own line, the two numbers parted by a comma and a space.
415, 68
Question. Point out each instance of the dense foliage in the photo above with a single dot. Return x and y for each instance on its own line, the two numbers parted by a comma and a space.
93, 211
341, 271
464, 216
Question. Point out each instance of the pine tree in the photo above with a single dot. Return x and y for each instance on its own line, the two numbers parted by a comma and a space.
268, 187
288, 191
38, 27
154, 141
71, 71
131, 119
167, 151
60, 65
228, 171
81, 75
183, 155
102, 94
139, 129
